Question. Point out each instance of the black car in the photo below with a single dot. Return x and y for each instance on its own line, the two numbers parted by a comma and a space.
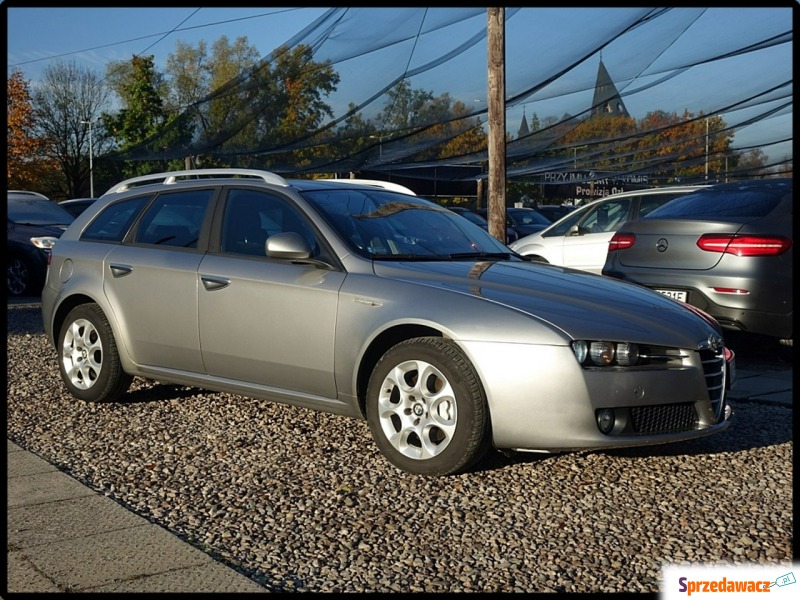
524, 221
726, 249
34, 225
554, 211
511, 235
77, 205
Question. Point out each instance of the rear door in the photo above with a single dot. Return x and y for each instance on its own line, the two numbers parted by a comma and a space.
153, 281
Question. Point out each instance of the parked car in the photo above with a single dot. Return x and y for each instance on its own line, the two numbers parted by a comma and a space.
524, 221
511, 235
34, 223
76, 206
369, 303
726, 249
580, 239
554, 211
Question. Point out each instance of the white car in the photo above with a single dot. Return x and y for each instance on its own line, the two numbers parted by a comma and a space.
580, 239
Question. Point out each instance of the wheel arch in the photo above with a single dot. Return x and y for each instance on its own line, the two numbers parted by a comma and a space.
378, 347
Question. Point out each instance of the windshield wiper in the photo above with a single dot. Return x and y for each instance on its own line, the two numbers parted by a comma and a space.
407, 257
490, 255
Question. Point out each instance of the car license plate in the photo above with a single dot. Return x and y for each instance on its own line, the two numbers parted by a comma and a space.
674, 294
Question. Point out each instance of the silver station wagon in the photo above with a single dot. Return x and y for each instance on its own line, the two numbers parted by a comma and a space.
360, 300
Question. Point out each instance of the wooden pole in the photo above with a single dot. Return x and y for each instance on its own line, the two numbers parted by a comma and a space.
496, 104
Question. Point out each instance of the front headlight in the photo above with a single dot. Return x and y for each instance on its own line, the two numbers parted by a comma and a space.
44, 243
605, 353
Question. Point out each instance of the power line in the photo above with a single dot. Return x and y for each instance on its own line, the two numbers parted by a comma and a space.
162, 35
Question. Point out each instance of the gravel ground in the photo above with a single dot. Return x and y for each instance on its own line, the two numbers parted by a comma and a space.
303, 501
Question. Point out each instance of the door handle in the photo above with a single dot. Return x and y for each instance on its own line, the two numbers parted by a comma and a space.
214, 283
120, 270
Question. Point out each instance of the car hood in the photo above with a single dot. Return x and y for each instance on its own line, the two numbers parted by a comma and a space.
582, 305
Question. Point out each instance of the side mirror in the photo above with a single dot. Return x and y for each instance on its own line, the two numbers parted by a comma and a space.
574, 230
289, 245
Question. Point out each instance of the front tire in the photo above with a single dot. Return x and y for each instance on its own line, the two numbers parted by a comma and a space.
427, 409
88, 359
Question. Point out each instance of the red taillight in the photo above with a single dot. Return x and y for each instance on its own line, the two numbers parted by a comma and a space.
620, 241
745, 245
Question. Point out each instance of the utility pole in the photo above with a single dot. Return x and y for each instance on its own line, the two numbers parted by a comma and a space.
91, 152
706, 148
496, 104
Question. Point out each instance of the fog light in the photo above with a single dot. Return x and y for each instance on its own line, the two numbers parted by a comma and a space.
728, 412
602, 353
627, 354
605, 419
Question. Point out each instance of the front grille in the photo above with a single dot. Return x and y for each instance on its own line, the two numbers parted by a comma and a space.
714, 370
664, 418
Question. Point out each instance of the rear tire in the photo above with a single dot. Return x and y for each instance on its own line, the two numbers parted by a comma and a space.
88, 359
19, 277
427, 409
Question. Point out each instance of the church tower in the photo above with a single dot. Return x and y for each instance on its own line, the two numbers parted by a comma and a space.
523, 128
607, 100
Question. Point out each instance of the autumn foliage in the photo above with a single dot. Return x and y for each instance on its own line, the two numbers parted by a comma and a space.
25, 148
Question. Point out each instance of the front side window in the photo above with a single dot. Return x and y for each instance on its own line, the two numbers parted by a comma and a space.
607, 216
175, 219
252, 216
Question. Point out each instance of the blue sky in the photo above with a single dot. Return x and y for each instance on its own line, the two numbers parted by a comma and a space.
95, 36
37, 37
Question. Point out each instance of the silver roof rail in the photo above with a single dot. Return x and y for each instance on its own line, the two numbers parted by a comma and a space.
171, 177
387, 185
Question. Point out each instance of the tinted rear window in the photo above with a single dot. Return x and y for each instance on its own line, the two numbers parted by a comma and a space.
747, 202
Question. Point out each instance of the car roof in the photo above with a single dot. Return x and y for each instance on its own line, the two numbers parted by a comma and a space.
388, 185
25, 195
77, 202
774, 182
223, 174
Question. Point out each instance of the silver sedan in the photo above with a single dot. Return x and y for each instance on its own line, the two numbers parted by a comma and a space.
363, 301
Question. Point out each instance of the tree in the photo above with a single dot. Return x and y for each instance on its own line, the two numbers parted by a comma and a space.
142, 114
68, 97
26, 150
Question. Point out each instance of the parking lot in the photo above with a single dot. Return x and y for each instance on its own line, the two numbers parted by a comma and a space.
303, 501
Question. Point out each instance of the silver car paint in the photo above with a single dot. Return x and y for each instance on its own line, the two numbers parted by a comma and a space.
539, 397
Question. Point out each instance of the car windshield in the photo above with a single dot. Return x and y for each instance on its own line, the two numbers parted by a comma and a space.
383, 225
36, 211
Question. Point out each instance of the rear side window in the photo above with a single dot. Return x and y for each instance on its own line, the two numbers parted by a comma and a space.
175, 219
113, 223
649, 203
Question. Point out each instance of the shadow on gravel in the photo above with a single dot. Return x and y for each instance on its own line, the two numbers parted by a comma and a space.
754, 425
27, 320
159, 392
